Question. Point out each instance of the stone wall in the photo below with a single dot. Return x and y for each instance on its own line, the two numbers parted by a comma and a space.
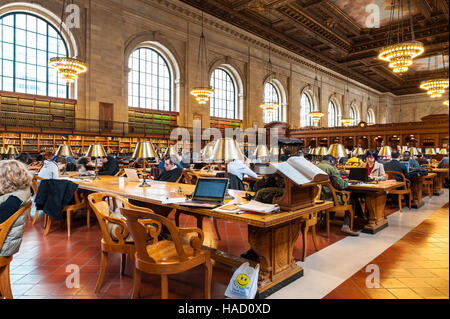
111, 29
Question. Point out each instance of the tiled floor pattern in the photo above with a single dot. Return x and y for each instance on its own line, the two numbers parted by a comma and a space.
39, 269
416, 267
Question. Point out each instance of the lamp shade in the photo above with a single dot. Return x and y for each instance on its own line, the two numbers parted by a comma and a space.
226, 150
275, 152
430, 151
321, 151
206, 152
414, 151
124, 150
12, 150
96, 150
81, 150
170, 151
144, 150
358, 151
64, 150
337, 150
2, 150
443, 151
261, 151
385, 151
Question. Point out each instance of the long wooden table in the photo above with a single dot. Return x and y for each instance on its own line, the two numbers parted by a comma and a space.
439, 180
272, 237
375, 195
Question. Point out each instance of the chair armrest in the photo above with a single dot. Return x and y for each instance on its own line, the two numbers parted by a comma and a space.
345, 195
195, 242
120, 232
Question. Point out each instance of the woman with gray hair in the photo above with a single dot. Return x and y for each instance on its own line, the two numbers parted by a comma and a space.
15, 183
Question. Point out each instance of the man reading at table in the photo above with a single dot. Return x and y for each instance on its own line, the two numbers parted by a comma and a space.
327, 165
171, 172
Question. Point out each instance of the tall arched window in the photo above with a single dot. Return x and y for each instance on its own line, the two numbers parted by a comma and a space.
149, 81
333, 115
27, 43
354, 116
370, 116
224, 100
271, 96
306, 107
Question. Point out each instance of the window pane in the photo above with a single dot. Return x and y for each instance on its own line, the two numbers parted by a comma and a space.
223, 102
25, 57
148, 81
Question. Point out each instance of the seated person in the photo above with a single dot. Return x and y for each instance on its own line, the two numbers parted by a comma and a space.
268, 187
110, 166
41, 156
413, 164
82, 166
50, 168
375, 170
421, 159
171, 171
394, 165
15, 183
327, 165
444, 161
24, 158
239, 169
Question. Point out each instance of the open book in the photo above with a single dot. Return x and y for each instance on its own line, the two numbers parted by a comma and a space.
300, 170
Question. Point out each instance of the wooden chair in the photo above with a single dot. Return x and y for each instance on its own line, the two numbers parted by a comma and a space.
406, 185
5, 283
338, 207
165, 257
310, 221
80, 203
121, 244
428, 185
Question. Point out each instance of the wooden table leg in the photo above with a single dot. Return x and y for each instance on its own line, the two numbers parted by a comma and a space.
438, 184
375, 203
274, 247
417, 189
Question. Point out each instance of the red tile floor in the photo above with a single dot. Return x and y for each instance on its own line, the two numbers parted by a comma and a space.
38, 270
415, 267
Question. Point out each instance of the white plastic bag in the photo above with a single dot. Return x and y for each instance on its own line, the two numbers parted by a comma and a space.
243, 283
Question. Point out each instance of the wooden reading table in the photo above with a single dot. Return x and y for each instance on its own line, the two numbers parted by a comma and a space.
375, 195
272, 237
439, 180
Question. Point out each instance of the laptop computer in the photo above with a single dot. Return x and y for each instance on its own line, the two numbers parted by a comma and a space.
406, 164
358, 175
132, 175
208, 193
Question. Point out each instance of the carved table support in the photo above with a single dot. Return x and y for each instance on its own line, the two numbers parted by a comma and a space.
438, 184
375, 203
417, 189
274, 247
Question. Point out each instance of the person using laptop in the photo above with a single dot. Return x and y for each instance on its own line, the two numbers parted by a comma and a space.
375, 170
327, 165
394, 165
413, 164
171, 172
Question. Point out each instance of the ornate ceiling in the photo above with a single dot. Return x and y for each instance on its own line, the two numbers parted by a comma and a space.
339, 34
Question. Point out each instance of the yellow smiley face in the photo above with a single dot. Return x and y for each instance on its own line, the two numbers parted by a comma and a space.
242, 280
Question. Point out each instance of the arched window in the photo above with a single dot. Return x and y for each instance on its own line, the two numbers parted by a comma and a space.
271, 96
149, 80
27, 43
306, 107
370, 117
333, 115
354, 116
224, 100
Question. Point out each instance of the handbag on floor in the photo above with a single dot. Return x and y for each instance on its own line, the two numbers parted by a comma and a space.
243, 283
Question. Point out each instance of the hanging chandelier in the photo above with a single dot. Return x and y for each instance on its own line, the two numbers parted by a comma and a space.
316, 115
401, 54
68, 68
203, 92
436, 87
445, 102
346, 122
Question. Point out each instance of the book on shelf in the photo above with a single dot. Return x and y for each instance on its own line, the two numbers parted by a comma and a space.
300, 170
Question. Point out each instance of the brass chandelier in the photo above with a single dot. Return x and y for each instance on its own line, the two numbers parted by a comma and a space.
316, 115
68, 68
436, 87
401, 54
203, 92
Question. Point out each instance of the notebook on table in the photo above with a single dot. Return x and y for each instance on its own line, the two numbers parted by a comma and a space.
208, 193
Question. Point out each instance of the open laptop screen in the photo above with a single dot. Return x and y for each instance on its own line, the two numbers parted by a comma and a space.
358, 174
210, 188
406, 164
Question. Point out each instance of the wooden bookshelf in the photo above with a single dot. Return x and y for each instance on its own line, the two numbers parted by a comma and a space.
151, 122
221, 123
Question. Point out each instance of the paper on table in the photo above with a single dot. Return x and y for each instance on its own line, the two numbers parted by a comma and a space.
173, 200
259, 207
